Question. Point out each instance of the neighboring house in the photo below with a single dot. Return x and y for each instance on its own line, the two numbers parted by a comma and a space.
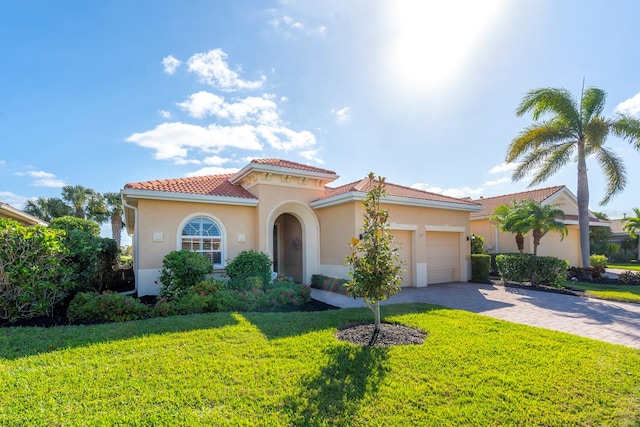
286, 210
618, 235
552, 244
8, 211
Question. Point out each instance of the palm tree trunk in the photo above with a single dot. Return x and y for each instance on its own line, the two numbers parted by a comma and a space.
116, 228
537, 235
520, 242
583, 206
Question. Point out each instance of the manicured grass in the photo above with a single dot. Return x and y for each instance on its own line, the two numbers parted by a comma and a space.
281, 369
624, 293
629, 266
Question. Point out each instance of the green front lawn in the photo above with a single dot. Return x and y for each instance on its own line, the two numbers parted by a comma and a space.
626, 266
281, 369
624, 293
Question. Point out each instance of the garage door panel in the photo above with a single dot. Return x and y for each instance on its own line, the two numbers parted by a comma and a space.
443, 257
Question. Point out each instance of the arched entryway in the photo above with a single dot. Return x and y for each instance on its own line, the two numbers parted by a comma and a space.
288, 247
293, 241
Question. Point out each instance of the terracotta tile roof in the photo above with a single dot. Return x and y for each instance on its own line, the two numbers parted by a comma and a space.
491, 203
616, 226
290, 165
364, 185
212, 185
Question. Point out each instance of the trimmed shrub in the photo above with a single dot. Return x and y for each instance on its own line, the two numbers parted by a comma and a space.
331, 284
71, 223
106, 307
34, 276
231, 300
198, 299
480, 266
629, 278
249, 264
599, 265
539, 270
181, 270
477, 245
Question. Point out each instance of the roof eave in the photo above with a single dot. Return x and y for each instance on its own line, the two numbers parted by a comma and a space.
256, 167
187, 197
394, 200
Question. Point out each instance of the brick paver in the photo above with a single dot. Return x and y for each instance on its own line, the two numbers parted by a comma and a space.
613, 322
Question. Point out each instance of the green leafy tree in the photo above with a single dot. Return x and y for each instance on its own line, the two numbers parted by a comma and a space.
375, 264
573, 132
599, 236
47, 208
632, 226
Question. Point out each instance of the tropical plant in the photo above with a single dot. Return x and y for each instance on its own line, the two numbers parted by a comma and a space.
114, 211
504, 216
47, 208
85, 202
541, 219
374, 260
632, 226
574, 132
599, 236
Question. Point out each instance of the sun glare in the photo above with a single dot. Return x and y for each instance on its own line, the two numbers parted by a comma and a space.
432, 41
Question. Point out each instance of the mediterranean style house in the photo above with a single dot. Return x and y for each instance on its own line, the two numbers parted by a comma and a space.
286, 210
552, 244
8, 211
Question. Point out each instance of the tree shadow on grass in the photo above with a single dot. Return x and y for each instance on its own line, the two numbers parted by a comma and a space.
20, 342
333, 395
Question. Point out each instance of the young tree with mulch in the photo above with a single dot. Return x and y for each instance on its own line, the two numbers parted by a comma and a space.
375, 263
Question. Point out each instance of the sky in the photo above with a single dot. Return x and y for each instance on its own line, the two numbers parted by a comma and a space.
424, 93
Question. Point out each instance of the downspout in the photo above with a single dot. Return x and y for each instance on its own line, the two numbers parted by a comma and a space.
134, 239
497, 244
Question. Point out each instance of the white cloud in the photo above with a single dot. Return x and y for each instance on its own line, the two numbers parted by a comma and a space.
631, 106
213, 70
213, 170
253, 109
497, 181
342, 115
503, 167
451, 192
214, 160
311, 155
3, 162
173, 141
165, 114
170, 64
13, 199
187, 162
43, 179
287, 25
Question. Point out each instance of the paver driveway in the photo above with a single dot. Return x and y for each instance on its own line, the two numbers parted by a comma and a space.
613, 322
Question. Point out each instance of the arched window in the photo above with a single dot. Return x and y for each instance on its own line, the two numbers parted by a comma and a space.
203, 235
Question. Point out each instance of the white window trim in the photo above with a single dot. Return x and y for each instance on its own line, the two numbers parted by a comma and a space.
223, 232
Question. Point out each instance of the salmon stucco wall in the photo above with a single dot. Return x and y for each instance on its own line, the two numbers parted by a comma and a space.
158, 233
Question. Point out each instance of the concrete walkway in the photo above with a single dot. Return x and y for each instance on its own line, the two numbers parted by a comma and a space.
613, 322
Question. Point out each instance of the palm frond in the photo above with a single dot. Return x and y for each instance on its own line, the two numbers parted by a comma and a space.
615, 172
537, 135
557, 101
627, 127
593, 100
595, 134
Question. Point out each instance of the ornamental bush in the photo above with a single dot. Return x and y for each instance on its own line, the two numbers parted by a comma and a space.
539, 270
480, 266
629, 278
599, 264
200, 298
249, 264
106, 307
181, 270
34, 276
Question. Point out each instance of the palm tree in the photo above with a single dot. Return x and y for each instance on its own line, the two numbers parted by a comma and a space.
114, 208
542, 219
572, 133
506, 218
85, 203
632, 226
47, 208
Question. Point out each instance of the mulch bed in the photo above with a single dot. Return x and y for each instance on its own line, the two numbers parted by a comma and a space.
390, 334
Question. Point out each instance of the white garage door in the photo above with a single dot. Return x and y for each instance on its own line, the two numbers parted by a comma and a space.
403, 238
443, 257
